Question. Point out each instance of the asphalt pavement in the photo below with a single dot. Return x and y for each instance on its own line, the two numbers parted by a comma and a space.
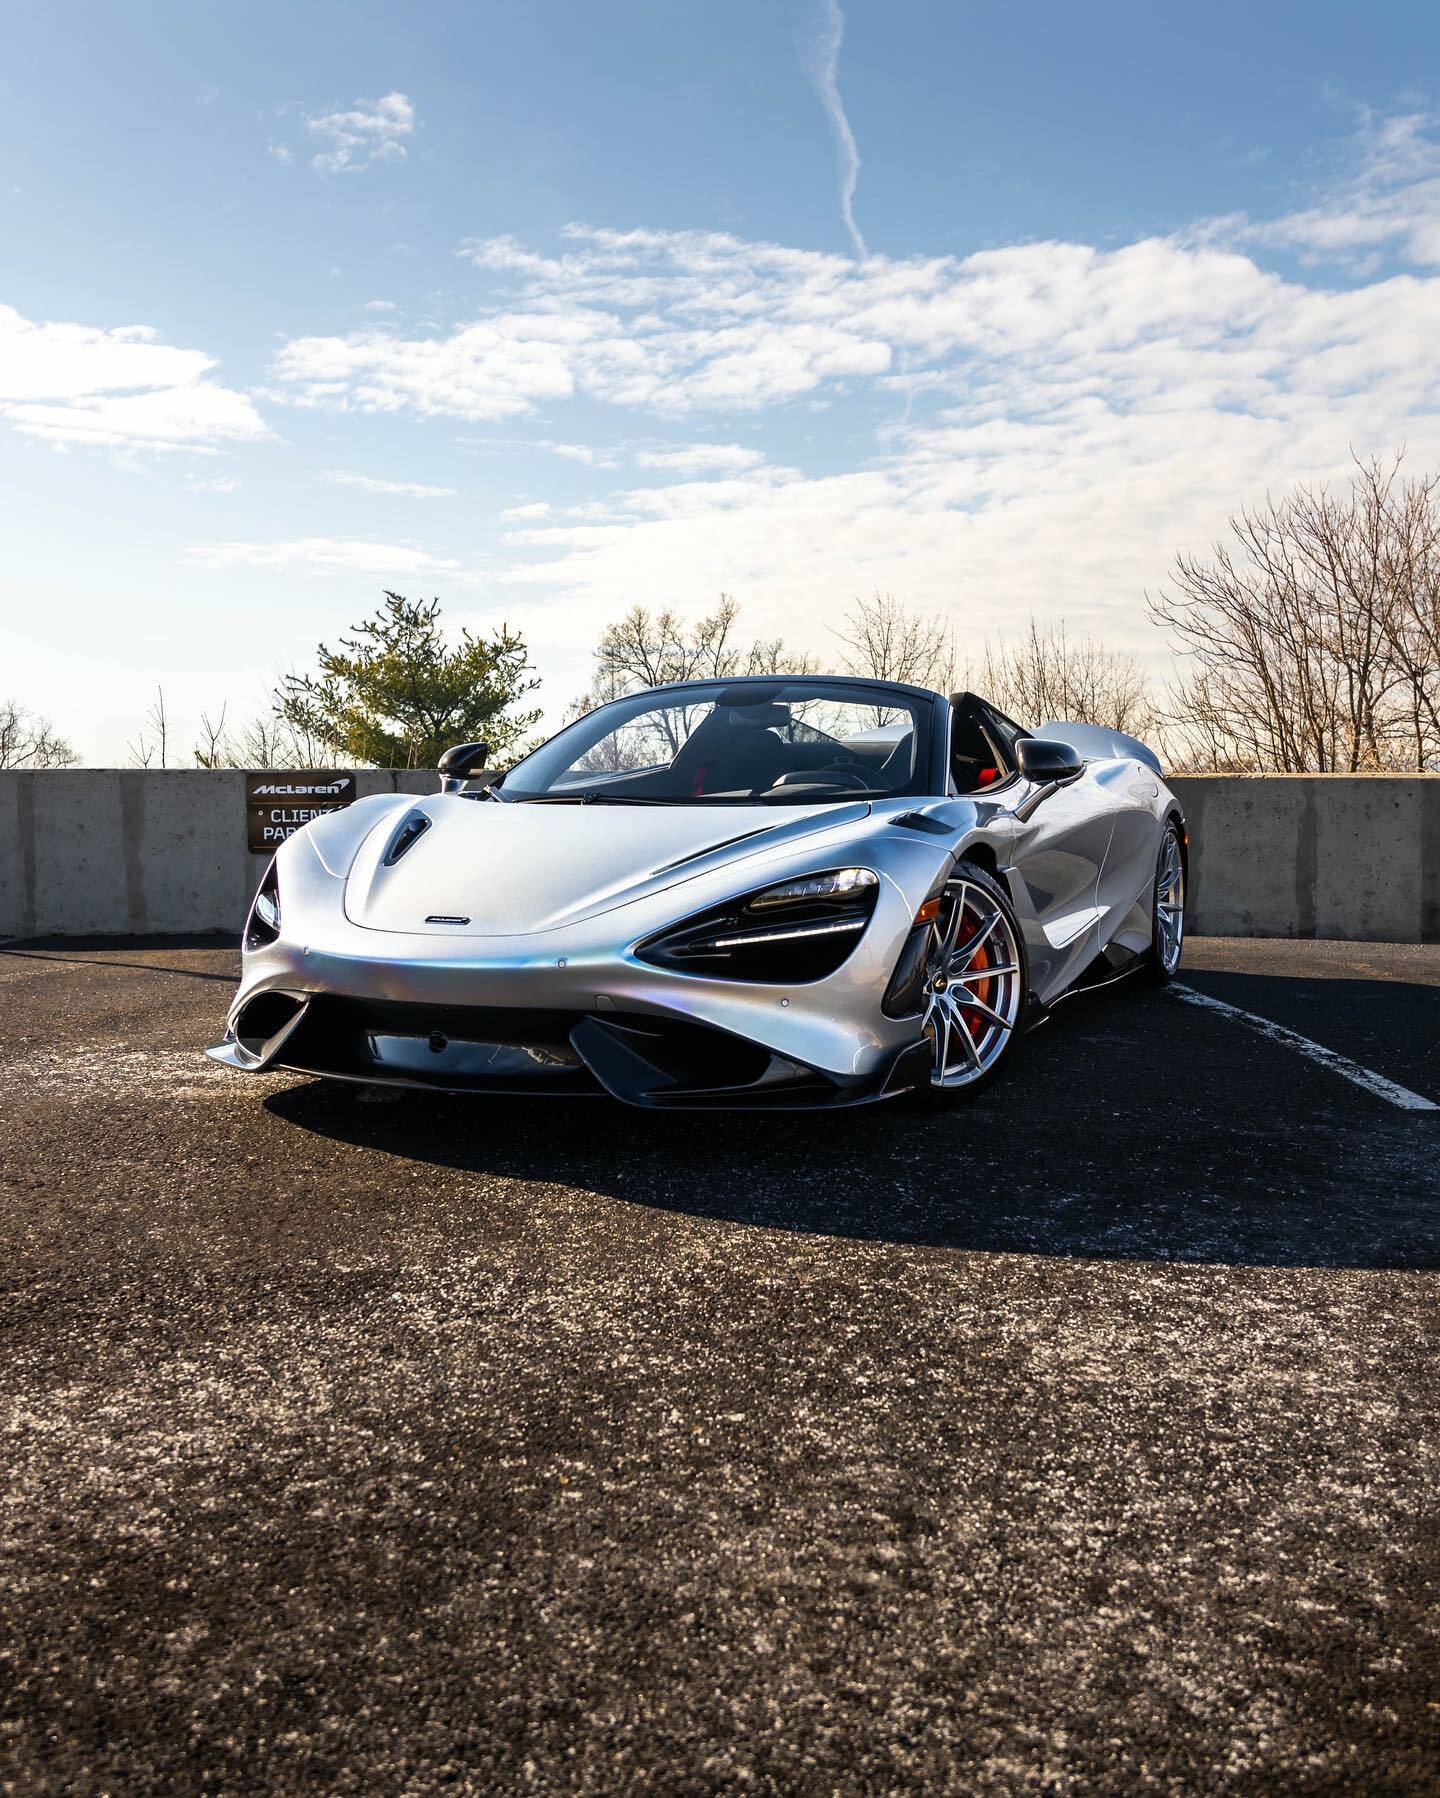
1082, 1441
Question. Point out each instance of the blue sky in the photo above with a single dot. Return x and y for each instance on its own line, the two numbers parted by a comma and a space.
555, 308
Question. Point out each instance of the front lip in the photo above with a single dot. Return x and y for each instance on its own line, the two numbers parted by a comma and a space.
636, 1059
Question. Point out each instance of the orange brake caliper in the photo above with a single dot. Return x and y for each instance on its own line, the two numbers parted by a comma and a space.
975, 1021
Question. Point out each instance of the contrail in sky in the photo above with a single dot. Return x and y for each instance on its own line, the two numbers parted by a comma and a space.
822, 65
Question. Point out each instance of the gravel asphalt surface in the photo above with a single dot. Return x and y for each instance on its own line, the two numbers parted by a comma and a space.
1084, 1441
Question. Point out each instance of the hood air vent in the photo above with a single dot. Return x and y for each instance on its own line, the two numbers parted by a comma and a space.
405, 839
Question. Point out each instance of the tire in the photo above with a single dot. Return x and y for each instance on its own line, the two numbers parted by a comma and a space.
1167, 910
976, 930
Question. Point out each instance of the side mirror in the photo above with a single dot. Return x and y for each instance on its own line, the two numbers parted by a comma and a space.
1043, 761
459, 763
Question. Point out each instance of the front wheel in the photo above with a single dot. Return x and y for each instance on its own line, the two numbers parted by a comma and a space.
1167, 918
974, 987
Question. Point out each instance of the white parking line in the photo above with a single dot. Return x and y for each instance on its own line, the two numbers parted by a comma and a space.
1327, 1058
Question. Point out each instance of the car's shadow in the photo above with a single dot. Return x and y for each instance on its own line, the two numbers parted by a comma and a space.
1111, 1138
100, 952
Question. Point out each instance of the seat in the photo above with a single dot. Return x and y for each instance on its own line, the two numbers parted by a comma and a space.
972, 757
727, 754
895, 769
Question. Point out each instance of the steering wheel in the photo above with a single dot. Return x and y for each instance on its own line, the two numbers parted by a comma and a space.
842, 774
823, 777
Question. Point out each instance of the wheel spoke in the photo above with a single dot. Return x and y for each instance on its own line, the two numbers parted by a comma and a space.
983, 974
943, 1057
952, 926
971, 1003
961, 1054
974, 944
1170, 903
966, 1038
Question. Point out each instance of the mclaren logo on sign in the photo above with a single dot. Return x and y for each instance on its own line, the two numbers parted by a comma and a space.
278, 789
276, 805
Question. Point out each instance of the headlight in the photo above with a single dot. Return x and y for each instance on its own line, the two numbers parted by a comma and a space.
839, 885
263, 924
796, 931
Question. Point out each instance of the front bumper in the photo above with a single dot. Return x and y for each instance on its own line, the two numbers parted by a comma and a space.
660, 1063
573, 1009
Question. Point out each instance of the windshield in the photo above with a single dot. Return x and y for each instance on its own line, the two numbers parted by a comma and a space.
795, 741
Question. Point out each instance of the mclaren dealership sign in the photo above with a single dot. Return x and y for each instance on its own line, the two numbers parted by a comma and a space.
276, 805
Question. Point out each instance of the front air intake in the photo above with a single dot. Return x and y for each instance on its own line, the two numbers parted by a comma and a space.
795, 932
265, 1023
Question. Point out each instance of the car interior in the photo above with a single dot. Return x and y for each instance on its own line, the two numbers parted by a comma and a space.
747, 748
982, 743
764, 748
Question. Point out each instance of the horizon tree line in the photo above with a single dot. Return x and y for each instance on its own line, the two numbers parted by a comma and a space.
1306, 641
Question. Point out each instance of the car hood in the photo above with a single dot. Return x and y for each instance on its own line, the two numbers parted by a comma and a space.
507, 869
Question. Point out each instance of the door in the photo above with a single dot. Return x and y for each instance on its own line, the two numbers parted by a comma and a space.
1058, 857
1127, 881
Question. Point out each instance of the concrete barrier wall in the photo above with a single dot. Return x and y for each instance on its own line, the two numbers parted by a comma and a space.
141, 851
135, 851
1353, 856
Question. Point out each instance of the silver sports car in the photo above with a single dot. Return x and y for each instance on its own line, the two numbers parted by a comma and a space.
772, 892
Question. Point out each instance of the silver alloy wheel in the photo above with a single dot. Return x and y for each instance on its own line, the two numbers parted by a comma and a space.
1170, 903
972, 985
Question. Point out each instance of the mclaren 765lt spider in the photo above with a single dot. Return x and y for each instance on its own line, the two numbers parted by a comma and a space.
773, 892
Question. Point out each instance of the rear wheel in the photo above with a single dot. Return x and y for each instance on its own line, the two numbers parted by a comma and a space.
1167, 926
974, 987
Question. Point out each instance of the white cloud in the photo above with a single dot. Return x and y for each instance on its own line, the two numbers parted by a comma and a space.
539, 508
62, 362
1391, 200
695, 458
495, 369
79, 384
381, 306
324, 555
221, 484
1041, 425
341, 477
370, 131
582, 452
822, 66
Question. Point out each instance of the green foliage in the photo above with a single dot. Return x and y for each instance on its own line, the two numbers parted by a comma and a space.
396, 694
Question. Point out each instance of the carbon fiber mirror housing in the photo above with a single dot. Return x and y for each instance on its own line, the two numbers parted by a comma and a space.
1043, 761
461, 761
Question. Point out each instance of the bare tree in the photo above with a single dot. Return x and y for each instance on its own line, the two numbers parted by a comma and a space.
146, 748
645, 649
1047, 673
883, 639
1310, 641
265, 742
211, 751
1413, 572
29, 741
